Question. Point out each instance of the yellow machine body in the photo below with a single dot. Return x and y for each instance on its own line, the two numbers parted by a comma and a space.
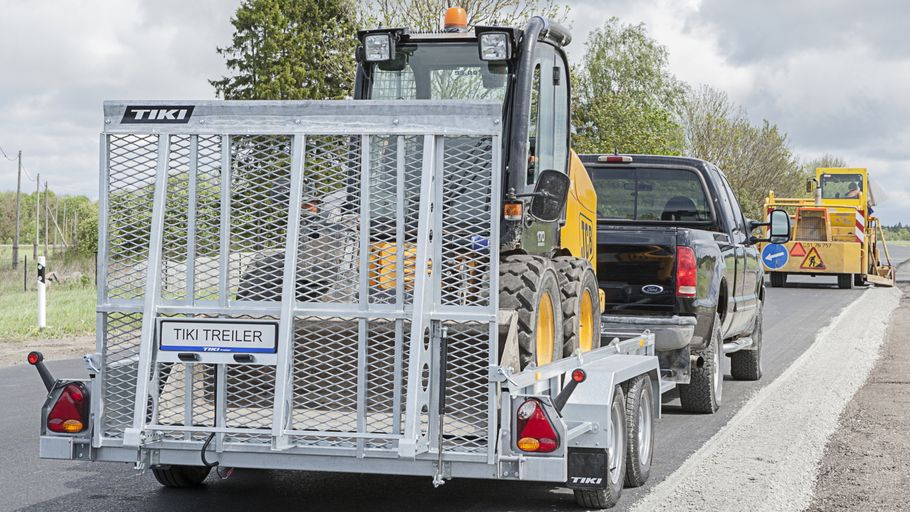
579, 234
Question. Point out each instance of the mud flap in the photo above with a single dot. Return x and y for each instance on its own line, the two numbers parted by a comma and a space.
587, 468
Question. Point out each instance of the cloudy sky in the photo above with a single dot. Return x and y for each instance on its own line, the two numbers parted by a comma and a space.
833, 74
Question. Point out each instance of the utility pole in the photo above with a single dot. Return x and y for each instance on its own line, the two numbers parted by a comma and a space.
37, 215
56, 211
47, 214
18, 190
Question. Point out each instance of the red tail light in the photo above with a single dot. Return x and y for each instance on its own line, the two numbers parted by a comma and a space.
686, 272
69, 415
535, 432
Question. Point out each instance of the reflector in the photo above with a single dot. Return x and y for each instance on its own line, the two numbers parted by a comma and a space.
533, 425
579, 375
70, 412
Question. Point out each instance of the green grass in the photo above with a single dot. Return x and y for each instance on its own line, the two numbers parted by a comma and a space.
70, 305
900, 243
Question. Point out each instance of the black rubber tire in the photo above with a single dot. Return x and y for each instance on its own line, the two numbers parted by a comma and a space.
606, 498
845, 281
746, 364
859, 280
181, 477
778, 279
700, 395
577, 277
523, 280
638, 468
262, 279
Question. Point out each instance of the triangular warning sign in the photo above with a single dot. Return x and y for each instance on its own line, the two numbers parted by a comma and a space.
797, 251
813, 261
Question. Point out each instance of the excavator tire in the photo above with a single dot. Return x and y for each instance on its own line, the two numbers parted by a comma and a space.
581, 304
530, 286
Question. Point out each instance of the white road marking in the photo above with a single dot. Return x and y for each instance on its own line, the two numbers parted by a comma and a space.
766, 457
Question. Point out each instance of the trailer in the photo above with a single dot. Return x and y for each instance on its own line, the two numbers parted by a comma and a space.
251, 315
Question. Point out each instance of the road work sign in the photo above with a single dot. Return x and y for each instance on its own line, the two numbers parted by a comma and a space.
813, 261
775, 256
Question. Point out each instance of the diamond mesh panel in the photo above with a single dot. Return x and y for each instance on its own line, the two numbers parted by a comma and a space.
121, 355
174, 239
328, 258
249, 394
131, 169
381, 372
468, 387
208, 217
466, 230
260, 191
172, 398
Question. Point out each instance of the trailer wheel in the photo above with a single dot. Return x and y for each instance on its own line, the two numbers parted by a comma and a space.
180, 477
778, 279
640, 417
529, 285
581, 304
703, 392
859, 280
616, 460
746, 364
845, 281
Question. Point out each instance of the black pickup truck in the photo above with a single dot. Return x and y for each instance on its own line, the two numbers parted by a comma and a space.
676, 255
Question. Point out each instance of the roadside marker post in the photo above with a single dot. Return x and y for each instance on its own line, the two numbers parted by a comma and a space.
42, 294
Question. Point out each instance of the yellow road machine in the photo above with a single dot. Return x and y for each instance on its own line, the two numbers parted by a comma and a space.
834, 232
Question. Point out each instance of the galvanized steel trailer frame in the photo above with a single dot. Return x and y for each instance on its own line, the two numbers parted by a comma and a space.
198, 196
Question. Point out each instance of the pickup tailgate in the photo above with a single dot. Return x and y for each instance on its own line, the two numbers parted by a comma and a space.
636, 269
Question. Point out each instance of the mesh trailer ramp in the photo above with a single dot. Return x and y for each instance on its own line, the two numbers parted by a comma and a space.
287, 282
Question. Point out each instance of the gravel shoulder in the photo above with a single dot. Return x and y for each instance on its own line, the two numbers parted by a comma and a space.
13, 353
866, 465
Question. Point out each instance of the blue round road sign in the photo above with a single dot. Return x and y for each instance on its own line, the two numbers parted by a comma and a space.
775, 256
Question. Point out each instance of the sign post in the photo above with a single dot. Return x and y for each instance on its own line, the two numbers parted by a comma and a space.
42, 294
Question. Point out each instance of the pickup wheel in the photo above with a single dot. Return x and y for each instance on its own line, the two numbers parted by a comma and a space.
530, 286
845, 281
778, 279
580, 303
616, 460
703, 392
746, 364
180, 477
640, 418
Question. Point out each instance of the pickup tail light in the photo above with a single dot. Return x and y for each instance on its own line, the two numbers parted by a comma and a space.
535, 431
686, 272
69, 415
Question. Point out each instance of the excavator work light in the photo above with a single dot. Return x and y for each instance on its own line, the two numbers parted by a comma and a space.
495, 46
378, 47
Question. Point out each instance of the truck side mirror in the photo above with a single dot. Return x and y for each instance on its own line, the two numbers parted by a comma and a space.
550, 194
779, 227
810, 185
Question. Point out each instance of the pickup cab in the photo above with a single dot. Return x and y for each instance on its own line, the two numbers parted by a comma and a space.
676, 256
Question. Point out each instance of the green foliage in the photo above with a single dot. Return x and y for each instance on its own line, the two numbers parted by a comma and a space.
625, 96
427, 15
290, 50
896, 232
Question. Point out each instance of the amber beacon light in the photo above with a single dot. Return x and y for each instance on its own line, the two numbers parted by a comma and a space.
456, 19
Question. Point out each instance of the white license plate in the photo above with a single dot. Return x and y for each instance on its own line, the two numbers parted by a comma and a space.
218, 336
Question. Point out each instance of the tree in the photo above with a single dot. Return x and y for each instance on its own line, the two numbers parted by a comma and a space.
427, 15
755, 159
625, 96
290, 50
826, 160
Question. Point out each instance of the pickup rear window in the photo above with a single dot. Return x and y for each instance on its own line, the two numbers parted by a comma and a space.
650, 194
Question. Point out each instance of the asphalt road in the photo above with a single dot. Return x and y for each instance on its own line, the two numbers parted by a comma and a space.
792, 317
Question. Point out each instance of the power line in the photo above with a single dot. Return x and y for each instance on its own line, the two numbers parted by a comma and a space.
5, 155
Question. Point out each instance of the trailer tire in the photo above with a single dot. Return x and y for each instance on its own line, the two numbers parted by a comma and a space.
746, 364
181, 477
778, 279
640, 419
580, 303
529, 285
615, 473
703, 392
859, 280
845, 281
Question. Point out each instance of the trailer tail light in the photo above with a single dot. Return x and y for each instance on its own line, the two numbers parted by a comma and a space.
535, 432
686, 272
69, 415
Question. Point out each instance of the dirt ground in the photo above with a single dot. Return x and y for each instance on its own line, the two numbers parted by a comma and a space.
867, 461
14, 352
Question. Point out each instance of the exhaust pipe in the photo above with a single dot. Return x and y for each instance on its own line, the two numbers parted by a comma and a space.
697, 361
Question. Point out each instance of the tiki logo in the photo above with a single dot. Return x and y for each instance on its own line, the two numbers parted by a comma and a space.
157, 114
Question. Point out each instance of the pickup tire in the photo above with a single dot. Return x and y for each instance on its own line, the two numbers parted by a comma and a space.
615, 471
845, 281
640, 418
703, 392
530, 286
580, 304
746, 364
778, 279
181, 477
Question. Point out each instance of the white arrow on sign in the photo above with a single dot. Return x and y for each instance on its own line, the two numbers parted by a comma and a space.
772, 257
